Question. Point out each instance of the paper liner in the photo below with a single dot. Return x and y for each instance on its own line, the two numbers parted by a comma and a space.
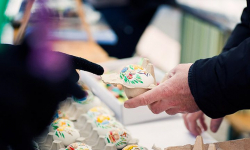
133, 92
130, 91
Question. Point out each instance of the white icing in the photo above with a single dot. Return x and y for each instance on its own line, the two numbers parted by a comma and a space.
96, 111
66, 134
134, 147
105, 121
119, 137
78, 146
136, 76
60, 122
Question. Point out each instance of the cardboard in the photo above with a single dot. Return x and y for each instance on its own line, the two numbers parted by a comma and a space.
241, 144
199, 144
211, 147
130, 91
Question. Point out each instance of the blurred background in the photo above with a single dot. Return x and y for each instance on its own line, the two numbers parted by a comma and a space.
168, 32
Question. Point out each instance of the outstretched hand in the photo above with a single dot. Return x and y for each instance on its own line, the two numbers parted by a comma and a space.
32, 85
172, 96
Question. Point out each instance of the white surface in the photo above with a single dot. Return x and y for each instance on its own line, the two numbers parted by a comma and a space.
165, 133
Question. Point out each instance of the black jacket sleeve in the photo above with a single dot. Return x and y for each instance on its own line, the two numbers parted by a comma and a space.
240, 33
221, 84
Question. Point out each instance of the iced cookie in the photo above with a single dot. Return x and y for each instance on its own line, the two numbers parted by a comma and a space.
119, 137
96, 111
78, 146
134, 79
105, 121
66, 134
134, 147
87, 99
59, 123
60, 115
136, 76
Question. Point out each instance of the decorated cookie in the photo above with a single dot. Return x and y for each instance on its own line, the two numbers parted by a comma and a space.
66, 134
96, 111
134, 79
59, 123
119, 137
105, 121
87, 99
136, 76
60, 115
134, 147
78, 146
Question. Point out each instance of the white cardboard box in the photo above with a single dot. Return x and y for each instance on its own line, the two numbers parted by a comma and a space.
126, 116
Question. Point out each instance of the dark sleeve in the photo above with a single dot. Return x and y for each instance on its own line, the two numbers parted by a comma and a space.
240, 33
221, 84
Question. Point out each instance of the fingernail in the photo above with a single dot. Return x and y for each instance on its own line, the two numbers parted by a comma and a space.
213, 129
126, 105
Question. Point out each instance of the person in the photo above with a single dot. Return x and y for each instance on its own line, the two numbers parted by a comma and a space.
128, 19
215, 86
31, 90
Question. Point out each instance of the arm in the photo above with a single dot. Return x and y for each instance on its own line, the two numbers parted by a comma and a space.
240, 33
220, 85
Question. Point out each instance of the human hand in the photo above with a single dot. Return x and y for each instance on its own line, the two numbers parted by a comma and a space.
172, 96
190, 120
32, 85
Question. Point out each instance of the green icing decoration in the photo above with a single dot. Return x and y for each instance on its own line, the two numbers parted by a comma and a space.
57, 134
131, 67
108, 140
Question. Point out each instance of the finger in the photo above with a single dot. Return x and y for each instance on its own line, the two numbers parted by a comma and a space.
192, 122
145, 98
194, 128
83, 64
215, 124
76, 91
184, 116
203, 124
157, 107
74, 76
172, 111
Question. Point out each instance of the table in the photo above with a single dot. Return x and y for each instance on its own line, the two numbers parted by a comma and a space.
88, 50
165, 133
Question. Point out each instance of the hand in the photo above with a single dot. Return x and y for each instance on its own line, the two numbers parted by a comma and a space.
172, 96
191, 124
31, 89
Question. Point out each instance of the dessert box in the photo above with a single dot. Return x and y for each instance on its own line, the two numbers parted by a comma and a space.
124, 115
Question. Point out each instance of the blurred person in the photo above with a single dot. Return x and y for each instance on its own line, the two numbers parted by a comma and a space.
33, 81
215, 86
128, 19
30, 92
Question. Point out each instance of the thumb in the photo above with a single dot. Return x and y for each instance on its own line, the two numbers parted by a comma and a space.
215, 124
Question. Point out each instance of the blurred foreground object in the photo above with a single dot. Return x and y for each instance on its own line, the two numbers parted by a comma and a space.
239, 125
34, 79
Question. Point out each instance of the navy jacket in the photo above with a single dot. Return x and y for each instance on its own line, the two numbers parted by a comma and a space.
221, 84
